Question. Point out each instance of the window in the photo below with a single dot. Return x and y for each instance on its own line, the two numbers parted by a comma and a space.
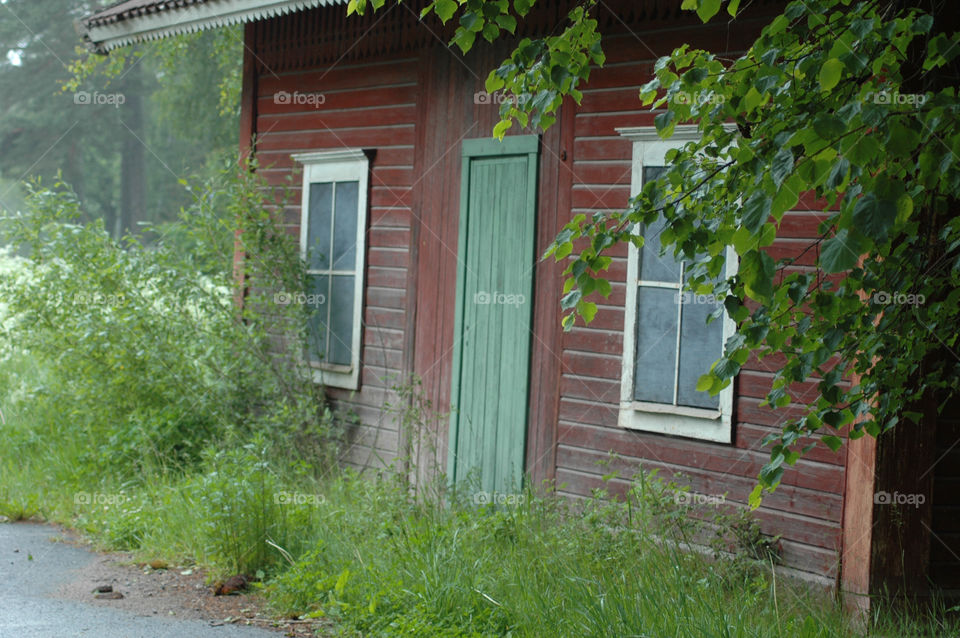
667, 341
332, 231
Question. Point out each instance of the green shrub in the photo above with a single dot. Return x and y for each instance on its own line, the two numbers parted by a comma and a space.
139, 353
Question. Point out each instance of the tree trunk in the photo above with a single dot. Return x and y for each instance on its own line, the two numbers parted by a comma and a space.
133, 168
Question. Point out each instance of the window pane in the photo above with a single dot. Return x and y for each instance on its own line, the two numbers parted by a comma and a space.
318, 225
341, 319
654, 267
656, 344
318, 292
700, 346
651, 173
345, 226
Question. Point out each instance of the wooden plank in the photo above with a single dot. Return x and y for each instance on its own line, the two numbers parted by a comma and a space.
750, 436
247, 132
370, 73
589, 364
699, 454
385, 277
601, 197
389, 237
553, 207
391, 217
800, 501
602, 148
389, 257
352, 99
369, 137
803, 556
587, 412
320, 119
611, 171
606, 124
390, 155
857, 528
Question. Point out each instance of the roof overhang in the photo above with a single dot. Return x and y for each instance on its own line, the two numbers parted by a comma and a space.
113, 28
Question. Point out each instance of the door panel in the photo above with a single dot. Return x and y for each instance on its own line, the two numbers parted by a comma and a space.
494, 312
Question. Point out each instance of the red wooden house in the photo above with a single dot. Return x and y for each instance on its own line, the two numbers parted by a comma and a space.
430, 235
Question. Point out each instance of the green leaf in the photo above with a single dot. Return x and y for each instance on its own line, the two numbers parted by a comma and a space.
501, 128
725, 368
756, 271
571, 299
874, 217
494, 82
744, 240
902, 140
705, 382
752, 99
445, 9
786, 199
756, 211
732, 7
781, 166
464, 39
828, 126
830, 74
490, 32
507, 22
841, 252
707, 9
832, 442
838, 173
587, 310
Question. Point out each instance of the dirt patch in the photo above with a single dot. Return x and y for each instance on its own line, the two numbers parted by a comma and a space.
178, 592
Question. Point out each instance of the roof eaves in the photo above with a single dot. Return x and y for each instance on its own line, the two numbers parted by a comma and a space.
166, 19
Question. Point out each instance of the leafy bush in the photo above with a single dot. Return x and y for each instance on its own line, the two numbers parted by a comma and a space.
145, 359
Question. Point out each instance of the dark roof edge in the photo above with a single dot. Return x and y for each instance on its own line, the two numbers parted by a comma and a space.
110, 30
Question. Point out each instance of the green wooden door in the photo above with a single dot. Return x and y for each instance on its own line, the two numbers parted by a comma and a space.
491, 361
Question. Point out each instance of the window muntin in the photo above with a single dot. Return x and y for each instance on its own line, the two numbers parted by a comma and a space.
674, 342
332, 233
665, 346
331, 270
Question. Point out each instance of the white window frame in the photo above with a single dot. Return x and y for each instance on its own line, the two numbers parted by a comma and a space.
649, 149
349, 164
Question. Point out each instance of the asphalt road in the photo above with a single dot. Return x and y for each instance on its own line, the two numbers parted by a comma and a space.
31, 571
